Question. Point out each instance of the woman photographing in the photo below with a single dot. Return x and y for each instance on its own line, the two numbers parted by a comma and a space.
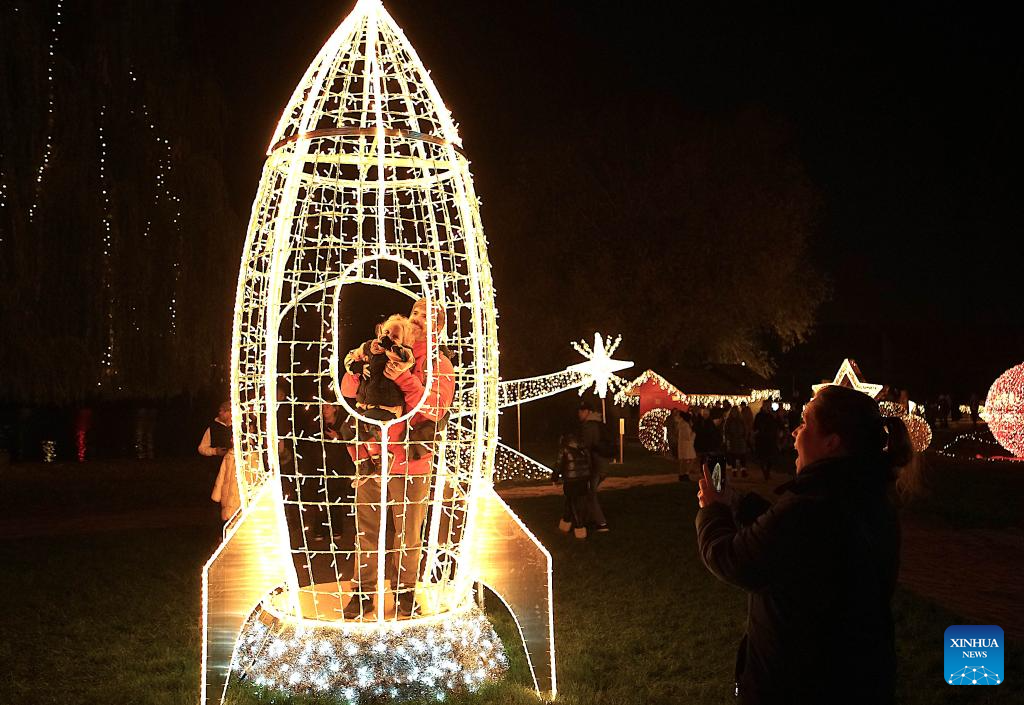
820, 565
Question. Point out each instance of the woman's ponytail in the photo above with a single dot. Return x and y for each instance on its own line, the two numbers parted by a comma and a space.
899, 452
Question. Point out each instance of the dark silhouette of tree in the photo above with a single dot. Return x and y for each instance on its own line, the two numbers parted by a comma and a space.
121, 283
687, 234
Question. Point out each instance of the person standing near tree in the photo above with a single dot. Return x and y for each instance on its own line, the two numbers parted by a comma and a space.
820, 565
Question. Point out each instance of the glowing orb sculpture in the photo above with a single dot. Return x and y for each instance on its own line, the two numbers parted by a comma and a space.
653, 430
366, 185
919, 430
1004, 410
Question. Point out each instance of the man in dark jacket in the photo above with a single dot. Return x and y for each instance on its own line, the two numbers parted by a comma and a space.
820, 567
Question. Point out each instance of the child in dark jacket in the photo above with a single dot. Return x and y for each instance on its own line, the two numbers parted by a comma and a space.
378, 398
573, 468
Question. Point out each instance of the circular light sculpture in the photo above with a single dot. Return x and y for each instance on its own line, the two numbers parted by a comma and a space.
653, 431
1004, 410
919, 430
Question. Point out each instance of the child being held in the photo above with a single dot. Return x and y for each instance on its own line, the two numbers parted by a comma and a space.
378, 398
574, 467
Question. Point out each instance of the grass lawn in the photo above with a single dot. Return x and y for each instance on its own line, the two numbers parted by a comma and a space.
113, 617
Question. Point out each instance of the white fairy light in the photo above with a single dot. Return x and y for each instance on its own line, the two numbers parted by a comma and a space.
630, 393
50, 102
107, 360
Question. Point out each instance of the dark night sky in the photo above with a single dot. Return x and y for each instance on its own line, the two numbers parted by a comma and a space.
908, 123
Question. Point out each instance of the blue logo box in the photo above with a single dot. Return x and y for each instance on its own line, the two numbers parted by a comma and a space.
973, 655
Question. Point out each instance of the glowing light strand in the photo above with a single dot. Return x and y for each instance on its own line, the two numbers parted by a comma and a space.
630, 395
424, 660
107, 360
50, 102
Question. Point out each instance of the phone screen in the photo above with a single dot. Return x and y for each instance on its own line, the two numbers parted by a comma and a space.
717, 477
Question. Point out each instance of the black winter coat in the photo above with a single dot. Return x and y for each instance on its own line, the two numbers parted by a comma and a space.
820, 568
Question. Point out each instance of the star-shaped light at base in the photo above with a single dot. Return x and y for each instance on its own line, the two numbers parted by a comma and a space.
849, 375
600, 367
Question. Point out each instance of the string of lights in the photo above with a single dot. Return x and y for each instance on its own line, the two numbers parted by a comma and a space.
630, 394
510, 464
107, 360
50, 118
974, 437
418, 660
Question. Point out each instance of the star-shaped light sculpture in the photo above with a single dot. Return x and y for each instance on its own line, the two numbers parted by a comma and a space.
849, 375
600, 368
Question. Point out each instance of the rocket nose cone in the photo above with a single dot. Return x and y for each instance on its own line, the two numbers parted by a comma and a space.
367, 75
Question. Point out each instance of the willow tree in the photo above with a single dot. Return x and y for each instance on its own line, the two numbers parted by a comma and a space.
687, 233
118, 240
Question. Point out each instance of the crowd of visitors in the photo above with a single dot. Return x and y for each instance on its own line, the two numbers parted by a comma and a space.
732, 435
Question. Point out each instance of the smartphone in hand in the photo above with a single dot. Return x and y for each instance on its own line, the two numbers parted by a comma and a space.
718, 478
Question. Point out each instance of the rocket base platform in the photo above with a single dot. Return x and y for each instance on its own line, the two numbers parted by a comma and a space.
397, 659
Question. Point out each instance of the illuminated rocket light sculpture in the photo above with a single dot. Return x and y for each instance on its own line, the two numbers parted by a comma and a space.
365, 183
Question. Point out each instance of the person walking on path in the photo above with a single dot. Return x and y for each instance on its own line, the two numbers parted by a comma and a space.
820, 566
590, 438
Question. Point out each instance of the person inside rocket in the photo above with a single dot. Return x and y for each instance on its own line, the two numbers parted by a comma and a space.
378, 397
408, 473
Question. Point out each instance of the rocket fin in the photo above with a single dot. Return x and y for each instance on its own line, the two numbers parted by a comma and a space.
510, 560
248, 565
509, 463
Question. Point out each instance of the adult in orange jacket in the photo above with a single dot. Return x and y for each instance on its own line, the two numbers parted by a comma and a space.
409, 469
